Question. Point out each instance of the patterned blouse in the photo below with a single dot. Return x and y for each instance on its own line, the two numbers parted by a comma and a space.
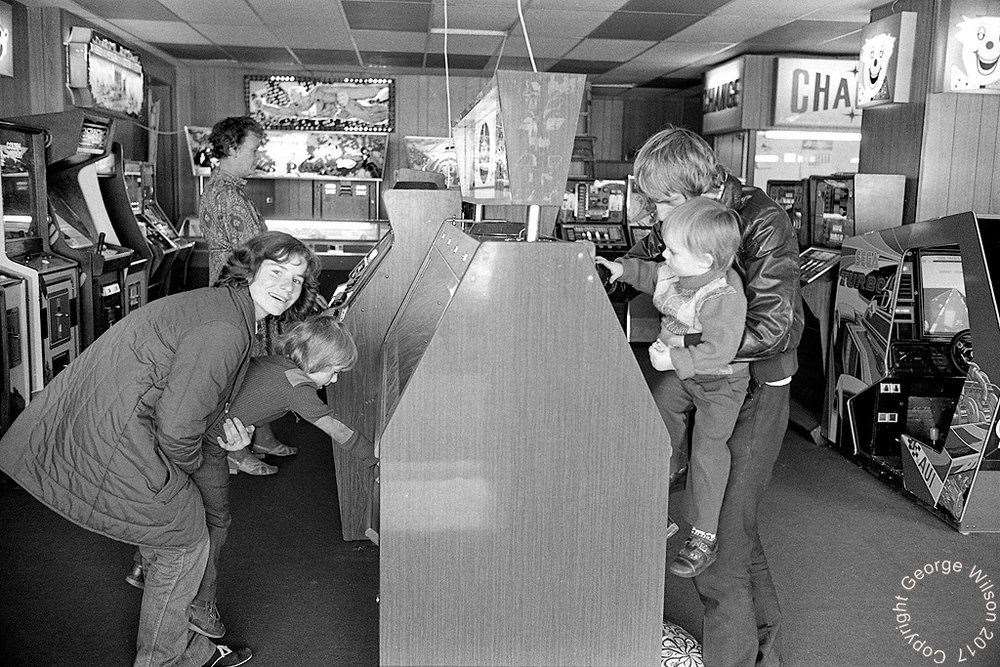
228, 219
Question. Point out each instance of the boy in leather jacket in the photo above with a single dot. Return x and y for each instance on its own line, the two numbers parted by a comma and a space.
741, 616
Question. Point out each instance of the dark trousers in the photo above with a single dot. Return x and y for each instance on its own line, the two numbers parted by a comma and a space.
212, 479
715, 404
741, 614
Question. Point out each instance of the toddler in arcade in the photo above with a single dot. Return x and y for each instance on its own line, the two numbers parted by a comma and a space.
697, 292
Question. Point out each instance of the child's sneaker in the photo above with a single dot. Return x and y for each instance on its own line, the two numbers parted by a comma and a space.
136, 576
695, 556
244, 461
229, 657
204, 619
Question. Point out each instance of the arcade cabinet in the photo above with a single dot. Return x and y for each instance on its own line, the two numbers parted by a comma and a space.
832, 208
160, 227
121, 188
912, 391
790, 195
51, 282
491, 432
116, 277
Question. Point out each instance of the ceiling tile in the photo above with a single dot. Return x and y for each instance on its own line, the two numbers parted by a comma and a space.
702, 7
726, 28
791, 9
243, 35
480, 45
583, 66
170, 32
259, 54
672, 55
673, 83
395, 16
562, 23
520, 64
192, 51
218, 12
541, 48
457, 61
326, 57
636, 25
801, 34
313, 36
478, 17
386, 40
609, 49
393, 58
300, 11
138, 10
847, 45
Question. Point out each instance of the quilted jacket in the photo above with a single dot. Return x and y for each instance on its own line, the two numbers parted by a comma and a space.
109, 442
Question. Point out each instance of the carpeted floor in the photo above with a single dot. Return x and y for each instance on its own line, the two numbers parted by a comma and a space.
839, 541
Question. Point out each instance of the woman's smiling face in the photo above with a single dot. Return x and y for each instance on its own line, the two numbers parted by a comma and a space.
277, 285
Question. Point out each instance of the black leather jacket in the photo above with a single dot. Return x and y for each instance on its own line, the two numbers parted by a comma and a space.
768, 263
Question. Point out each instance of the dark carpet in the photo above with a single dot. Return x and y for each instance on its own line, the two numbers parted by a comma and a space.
839, 542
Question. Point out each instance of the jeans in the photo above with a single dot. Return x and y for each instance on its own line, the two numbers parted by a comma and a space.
742, 618
212, 480
716, 403
172, 576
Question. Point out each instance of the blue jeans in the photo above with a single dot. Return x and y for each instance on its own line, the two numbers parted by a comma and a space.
172, 578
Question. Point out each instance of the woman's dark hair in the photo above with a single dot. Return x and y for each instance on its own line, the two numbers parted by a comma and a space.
245, 261
229, 133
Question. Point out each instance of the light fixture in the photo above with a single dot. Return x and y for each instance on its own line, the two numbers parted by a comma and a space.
766, 157
807, 135
468, 31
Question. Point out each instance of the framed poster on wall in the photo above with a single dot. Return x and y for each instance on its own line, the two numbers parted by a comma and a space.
433, 154
104, 74
6, 40
346, 105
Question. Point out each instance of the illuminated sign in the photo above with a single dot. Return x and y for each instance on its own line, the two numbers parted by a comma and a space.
886, 60
972, 48
102, 73
723, 97
816, 92
6, 40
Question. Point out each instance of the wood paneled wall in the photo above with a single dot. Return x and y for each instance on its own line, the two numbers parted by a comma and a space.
959, 155
892, 137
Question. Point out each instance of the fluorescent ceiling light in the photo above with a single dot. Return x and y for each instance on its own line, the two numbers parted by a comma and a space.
468, 31
766, 157
805, 135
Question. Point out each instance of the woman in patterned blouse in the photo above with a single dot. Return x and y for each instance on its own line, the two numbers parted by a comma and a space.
229, 219
228, 216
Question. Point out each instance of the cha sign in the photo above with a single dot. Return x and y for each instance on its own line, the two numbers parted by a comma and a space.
814, 92
886, 60
972, 49
722, 101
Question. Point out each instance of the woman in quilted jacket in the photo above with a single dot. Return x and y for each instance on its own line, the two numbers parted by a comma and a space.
110, 442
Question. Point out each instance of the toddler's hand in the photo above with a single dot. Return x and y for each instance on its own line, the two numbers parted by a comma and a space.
237, 435
659, 356
615, 268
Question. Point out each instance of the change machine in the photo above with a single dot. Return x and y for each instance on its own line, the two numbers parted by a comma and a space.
912, 377
50, 280
493, 434
112, 277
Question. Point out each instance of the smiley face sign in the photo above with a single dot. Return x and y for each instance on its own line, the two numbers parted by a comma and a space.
979, 64
876, 59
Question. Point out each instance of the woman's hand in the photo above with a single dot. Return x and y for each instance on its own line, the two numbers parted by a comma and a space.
238, 436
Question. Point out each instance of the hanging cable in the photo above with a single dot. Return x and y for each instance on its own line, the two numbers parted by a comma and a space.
500, 55
527, 42
447, 73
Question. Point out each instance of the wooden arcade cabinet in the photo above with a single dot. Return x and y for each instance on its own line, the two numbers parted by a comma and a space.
521, 501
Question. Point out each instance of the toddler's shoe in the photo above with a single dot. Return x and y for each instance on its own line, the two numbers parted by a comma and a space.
229, 657
695, 556
264, 442
136, 576
203, 618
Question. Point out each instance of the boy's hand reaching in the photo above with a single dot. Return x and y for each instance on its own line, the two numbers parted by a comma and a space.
238, 436
659, 356
615, 268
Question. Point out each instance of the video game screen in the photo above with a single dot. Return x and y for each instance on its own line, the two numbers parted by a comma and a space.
943, 310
